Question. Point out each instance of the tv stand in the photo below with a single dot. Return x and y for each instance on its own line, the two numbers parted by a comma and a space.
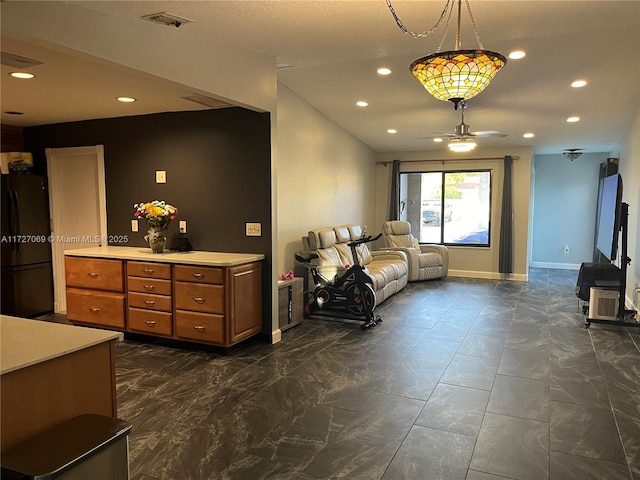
624, 317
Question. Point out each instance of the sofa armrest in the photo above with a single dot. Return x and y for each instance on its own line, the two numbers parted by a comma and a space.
441, 250
393, 254
409, 256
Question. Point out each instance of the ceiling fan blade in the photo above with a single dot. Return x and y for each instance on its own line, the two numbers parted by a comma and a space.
442, 135
488, 133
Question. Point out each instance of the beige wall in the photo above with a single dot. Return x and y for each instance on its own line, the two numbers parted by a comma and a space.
630, 170
325, 176
473, 261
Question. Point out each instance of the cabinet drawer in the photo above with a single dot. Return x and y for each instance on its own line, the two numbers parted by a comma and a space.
158, 323
185, 273
106, 309
150, 302
94, 273
149, 270
199, 297
200, 326
149, 285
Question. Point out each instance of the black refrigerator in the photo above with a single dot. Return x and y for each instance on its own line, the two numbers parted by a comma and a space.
27, 273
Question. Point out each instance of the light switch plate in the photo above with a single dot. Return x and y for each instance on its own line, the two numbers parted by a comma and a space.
161, 176
254, 229
134, 225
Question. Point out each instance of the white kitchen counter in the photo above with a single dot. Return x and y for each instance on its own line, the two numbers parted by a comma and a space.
25, 342
213, 259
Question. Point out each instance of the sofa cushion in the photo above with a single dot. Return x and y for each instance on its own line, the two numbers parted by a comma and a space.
322, 238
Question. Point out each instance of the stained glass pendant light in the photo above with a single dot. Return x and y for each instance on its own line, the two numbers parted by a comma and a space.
454, 75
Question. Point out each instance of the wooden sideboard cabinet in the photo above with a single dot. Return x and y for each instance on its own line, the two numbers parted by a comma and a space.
218, 305
149, 298
95, 291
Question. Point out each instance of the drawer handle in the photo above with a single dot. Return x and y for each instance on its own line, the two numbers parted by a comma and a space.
92, 274
148, 271
199, 328
198, 299
199, 276
94, 310
151, 323
149, 287
150, 302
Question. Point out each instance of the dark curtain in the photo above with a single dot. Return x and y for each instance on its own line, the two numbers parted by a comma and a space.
394, 197
506, 222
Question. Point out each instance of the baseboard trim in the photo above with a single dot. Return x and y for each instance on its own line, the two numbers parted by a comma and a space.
519, 277
556, 266
276, 336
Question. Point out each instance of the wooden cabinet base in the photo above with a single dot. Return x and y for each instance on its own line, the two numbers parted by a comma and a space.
59, 389
217, 305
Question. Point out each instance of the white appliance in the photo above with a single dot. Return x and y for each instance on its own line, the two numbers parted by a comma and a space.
603, 304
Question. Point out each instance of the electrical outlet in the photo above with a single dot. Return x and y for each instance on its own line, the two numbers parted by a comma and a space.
161, 176
183, 226
134, 225
566, 249
254, 229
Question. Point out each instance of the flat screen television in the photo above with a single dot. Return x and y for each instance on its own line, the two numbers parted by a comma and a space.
609, 216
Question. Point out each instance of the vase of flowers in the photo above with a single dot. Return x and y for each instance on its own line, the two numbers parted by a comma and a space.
158, 215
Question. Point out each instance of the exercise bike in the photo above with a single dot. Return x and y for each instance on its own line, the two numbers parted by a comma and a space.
349, 296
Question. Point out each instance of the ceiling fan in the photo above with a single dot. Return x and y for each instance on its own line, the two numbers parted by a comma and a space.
463, 138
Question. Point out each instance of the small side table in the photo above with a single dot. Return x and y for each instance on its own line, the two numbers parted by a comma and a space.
290, 308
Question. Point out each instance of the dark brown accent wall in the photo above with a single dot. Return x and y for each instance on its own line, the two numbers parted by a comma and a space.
12, 140
218, 168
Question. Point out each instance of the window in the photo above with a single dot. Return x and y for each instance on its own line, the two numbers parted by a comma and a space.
453, 208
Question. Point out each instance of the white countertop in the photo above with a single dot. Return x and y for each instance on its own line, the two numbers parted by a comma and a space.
25, 342
215, 259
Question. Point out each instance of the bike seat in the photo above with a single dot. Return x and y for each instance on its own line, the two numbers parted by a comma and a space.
305, 256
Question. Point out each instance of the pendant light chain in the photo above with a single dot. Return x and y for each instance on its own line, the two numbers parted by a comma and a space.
447, 8
426, 32
473, 23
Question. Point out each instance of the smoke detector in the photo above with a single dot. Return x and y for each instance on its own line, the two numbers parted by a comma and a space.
572, 153
165, 18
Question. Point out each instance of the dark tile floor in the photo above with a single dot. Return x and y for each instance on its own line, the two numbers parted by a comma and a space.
464, 379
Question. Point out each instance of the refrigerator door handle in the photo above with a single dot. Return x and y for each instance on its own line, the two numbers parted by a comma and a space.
16, 222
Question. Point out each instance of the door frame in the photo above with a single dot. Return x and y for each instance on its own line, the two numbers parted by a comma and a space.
54, 173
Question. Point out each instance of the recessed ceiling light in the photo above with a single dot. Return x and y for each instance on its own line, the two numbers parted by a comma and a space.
362, 103
528, 135
392, 130
578, 83
437, 140
517, 55
22, 75
573, 119
384, 71
126, 99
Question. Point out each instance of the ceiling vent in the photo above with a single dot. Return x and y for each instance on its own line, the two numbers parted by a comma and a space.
208, 101
16, 61
165, 18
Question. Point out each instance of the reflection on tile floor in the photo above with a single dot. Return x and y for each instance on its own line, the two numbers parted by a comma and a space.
465, 379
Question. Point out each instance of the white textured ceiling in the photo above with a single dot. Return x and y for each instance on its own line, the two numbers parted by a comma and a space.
334, 48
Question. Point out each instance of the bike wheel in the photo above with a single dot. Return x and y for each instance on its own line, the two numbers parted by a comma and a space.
366, 293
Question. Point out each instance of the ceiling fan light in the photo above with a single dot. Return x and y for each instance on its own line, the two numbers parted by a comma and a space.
458, 145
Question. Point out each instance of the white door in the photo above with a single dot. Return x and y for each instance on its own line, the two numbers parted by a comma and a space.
78, 206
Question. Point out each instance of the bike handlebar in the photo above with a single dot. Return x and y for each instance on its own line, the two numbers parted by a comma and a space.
365, 239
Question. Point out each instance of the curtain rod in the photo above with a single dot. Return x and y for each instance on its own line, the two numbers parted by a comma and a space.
443, 160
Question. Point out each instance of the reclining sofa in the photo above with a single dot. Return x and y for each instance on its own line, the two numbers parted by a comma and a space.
387, 269
426, 262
